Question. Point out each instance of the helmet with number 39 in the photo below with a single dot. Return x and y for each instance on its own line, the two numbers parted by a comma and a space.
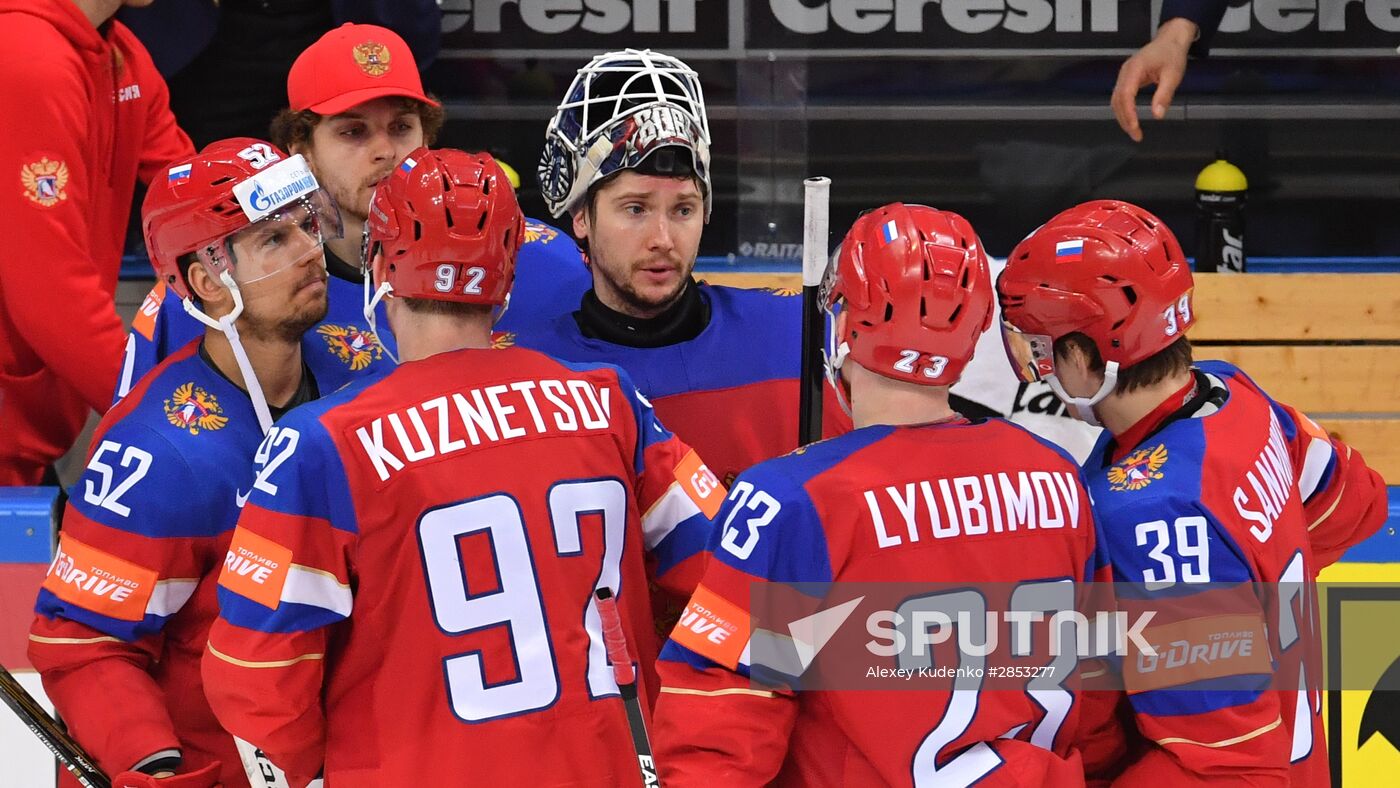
1106, 269
914, 285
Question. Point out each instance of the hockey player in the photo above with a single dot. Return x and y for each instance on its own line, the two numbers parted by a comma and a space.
236, 232
627, 159
1198, 477
356, 108
912, 287
409, 600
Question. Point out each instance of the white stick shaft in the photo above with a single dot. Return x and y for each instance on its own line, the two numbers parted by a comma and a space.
815, 226
261, 772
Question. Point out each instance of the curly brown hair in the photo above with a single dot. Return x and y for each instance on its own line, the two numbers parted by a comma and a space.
293, 128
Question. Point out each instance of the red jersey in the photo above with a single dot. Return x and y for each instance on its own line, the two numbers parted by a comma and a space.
947, 503
408, 597
96, 117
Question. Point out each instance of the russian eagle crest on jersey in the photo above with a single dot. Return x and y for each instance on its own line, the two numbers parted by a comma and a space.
1138, 469
539, 232
355, 346
194, 409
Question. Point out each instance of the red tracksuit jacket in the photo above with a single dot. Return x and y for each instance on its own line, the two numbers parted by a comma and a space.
89, 114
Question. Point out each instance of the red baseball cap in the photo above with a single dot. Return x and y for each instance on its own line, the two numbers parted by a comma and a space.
350, 65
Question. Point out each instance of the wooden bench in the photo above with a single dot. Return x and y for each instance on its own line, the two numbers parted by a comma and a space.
1327, 344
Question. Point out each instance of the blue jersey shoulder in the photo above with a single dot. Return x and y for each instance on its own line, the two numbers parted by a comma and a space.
802, 464
753, 336
299, 469
769, 526
550, 278
757, 320
1236, 379
1152, 517
178, 453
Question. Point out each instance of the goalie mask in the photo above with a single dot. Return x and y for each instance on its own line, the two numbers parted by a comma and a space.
622, 110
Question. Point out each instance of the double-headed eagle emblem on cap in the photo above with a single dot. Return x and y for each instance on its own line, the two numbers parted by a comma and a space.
372, 58
45, 181
194, 409
1138, 469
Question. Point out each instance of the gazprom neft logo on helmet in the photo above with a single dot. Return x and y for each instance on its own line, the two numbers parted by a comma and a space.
274, 187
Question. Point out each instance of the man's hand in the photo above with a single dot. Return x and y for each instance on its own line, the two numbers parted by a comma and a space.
208, 777
1162, 63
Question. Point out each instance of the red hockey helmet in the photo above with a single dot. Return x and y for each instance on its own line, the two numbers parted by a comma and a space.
916, 292
236, 189
449, 228
1107, 269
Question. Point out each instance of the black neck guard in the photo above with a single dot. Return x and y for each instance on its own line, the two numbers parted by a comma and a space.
682, 321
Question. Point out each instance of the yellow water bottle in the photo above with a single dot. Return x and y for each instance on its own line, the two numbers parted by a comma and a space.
1221, 189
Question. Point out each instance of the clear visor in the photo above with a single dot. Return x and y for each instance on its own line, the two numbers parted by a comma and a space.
366, 264
831, 307
1031, 355
278, 241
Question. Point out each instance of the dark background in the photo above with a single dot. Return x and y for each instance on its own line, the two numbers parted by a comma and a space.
1005, 141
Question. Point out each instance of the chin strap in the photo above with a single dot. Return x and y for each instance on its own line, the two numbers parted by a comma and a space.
834, 377
370, 303
226, 325
1084, 406
499, 312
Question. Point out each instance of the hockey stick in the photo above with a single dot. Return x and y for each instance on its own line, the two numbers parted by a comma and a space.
69, 753
263, 773
616, 642
816, 198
